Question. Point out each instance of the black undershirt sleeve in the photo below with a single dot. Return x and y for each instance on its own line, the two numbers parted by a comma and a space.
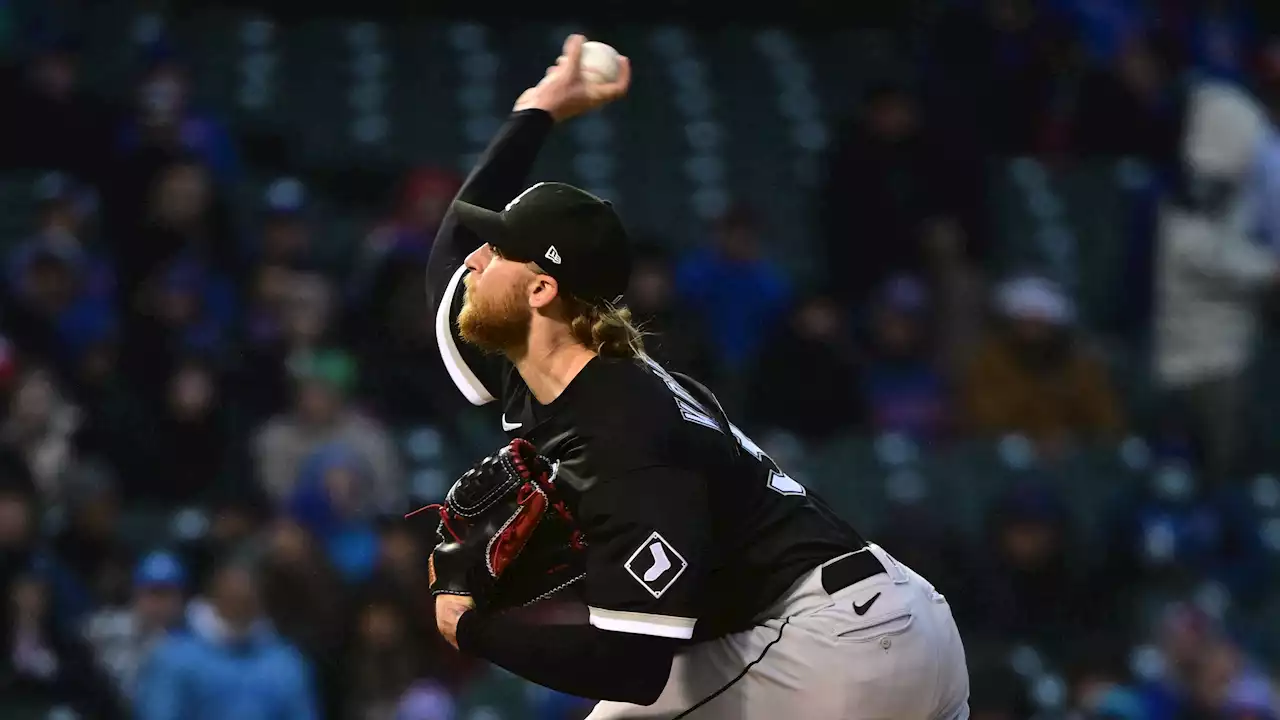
579, 660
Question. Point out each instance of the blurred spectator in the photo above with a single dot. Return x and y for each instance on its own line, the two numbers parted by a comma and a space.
879, 196
675, 336
1266, 180
1104, 27
383, 319
979, 74
424, 199
735, 292
959, 294
1129, 107
289, 311
53, 122
1211, 274
229, 663
1228, 685
66, 212
88, 541
1183, 633
1206, 674
399, 564
1053, 78
328, 502
40, 426
118, 426
407, 234
1097, 680
897, 201
163, 117
1031, 592
173, 267
309, 306
905, 391
193, 437
123, 637
21, 549
1222, 37
183, 211
396, 342
972, 58
190, 307
43, 287
17, 514
1132, 109
1034, 374
401, 573
58, 286
1176, 533
43, 661
305, 599
285, 235
808, 378
386, 663
322, 414
383, 315
237, 514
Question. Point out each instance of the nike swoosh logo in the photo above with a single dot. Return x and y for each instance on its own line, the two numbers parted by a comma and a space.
661, 563
864, 607
509, 426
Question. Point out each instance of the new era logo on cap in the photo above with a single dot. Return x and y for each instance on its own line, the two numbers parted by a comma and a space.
553, 255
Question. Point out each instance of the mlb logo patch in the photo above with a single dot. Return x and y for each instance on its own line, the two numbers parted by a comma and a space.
656, 565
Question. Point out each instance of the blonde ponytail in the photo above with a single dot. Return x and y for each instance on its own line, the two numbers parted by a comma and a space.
607, 331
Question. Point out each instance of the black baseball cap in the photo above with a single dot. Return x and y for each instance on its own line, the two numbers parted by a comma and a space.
574, 236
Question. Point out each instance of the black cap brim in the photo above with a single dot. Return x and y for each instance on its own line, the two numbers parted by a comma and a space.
486, 224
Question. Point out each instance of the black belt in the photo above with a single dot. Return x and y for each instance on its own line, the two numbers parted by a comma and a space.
850, 569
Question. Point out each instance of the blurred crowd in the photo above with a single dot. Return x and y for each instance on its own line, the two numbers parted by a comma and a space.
165, 347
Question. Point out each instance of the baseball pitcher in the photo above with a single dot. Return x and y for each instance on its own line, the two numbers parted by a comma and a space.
715, 586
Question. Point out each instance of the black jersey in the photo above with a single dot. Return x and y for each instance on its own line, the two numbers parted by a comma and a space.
692, 530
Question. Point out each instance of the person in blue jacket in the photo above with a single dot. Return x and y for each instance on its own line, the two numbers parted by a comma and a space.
228, 663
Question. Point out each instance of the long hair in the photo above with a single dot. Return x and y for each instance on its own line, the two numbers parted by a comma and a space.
605, 329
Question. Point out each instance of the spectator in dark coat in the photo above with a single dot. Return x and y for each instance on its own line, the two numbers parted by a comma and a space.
44, 661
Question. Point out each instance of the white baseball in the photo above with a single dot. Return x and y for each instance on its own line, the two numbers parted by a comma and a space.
599, 62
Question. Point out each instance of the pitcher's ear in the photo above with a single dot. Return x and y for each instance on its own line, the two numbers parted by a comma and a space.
544, 290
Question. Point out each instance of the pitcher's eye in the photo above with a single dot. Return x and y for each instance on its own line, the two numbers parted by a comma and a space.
494, 249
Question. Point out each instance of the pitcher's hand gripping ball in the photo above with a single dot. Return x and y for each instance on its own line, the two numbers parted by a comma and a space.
506, 537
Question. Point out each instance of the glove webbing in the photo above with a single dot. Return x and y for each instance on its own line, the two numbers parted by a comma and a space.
515, 460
